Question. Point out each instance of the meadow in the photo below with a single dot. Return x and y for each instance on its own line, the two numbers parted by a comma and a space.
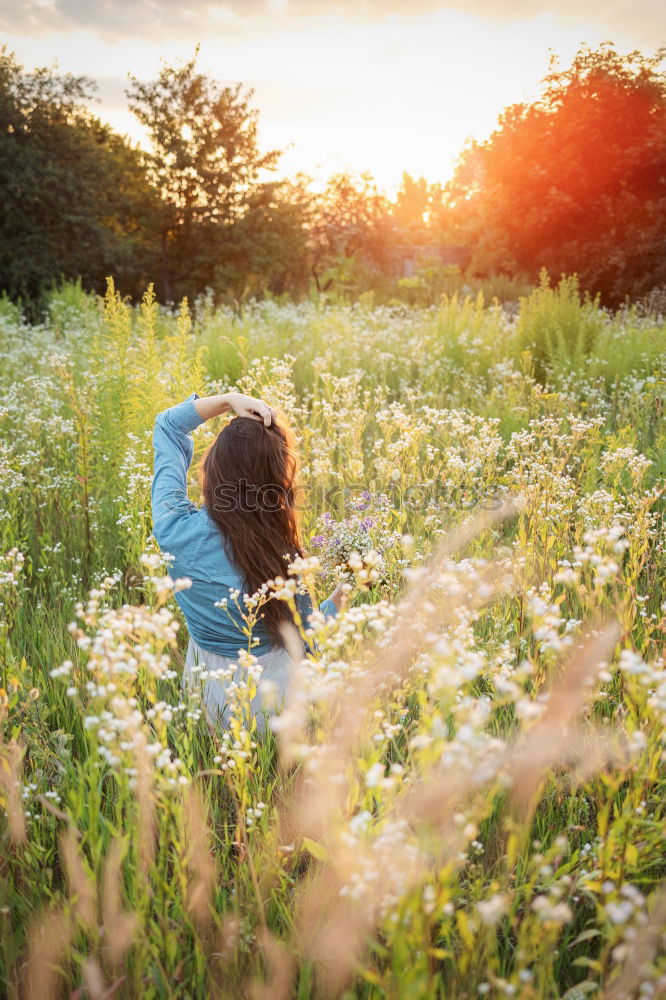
464, 796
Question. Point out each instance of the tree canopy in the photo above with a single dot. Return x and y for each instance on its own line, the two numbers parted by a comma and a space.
205, 163
75, 196
576, 181
573, 182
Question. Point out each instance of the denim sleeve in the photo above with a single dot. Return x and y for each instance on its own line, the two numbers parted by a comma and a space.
328, 608
173, 450
304, 605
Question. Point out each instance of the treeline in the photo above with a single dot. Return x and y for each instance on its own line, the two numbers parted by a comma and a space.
574, 182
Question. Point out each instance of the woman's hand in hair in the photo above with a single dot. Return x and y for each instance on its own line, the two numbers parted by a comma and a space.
247, 406
243, 406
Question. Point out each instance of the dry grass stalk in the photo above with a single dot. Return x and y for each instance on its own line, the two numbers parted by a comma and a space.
11, 755
119, 926
48, 939
203, 876
602, 748
587, 751
229, 937
543, 743
58, 813
81, 886
93, 980
331, 930
644, 947
281, 968
146, 808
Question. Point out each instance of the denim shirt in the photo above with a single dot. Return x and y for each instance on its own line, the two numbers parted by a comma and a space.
189, 534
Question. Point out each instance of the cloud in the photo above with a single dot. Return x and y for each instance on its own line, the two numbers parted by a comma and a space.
643, 23
125, 18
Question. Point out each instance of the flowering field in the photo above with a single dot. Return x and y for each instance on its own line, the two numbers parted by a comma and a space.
465, 794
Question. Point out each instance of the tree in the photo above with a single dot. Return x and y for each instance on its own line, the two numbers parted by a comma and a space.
265, 250
349, 220
574, 182
416, 208
76, 200
206, 165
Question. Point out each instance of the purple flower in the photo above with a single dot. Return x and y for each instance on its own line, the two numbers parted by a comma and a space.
361, 502
368, 522
317, 541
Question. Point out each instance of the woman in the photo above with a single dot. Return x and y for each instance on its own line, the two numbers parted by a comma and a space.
243, 535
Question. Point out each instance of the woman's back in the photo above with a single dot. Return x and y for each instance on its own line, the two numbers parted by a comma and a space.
198, 545
203, 560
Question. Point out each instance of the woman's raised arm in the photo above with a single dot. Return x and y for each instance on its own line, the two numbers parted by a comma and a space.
244, 406
173, 448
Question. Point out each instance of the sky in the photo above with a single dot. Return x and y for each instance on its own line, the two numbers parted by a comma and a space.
362, 85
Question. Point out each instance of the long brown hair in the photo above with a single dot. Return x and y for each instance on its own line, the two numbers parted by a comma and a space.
248, 486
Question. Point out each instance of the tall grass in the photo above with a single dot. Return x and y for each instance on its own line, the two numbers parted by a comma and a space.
464, 795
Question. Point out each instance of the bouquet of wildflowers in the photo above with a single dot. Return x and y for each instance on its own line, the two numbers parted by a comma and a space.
366, 537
